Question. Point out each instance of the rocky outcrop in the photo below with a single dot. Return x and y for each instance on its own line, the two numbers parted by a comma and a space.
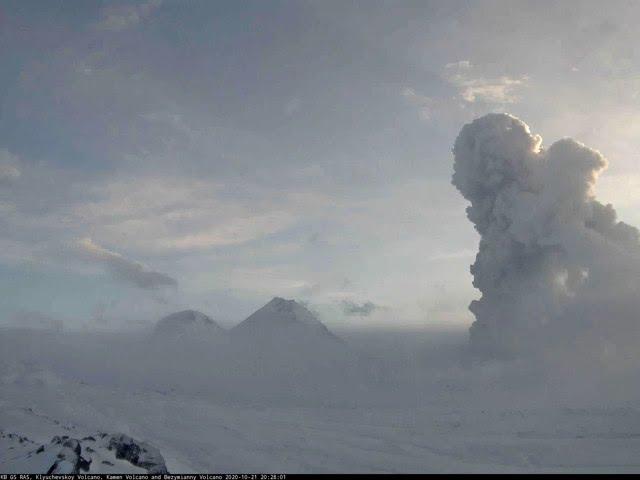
69, 457
102, 453
137, 453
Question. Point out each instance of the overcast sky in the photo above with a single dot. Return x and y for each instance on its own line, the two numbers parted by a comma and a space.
163, 155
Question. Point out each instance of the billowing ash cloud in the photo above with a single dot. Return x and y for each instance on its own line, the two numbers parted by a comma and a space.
124, 269
361, 310
554, 266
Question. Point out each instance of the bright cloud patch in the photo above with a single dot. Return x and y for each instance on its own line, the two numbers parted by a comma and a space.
123, 269
473, 88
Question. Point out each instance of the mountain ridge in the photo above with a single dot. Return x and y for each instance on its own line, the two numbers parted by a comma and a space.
280, 315
186, 322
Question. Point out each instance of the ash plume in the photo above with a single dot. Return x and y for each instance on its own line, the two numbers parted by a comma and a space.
555, 267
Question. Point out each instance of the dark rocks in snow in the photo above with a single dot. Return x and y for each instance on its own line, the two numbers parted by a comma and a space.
73, 444
84, 464
68, 455
68, 459
12, 436
137, 453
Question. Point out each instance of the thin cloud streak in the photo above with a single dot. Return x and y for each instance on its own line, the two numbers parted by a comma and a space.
123, 269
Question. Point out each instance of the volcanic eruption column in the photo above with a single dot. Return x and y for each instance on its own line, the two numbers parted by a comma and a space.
553, 262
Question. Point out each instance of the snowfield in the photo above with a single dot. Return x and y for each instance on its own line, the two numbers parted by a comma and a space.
195, 435
412, 405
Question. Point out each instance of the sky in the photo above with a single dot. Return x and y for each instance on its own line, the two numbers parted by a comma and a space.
162, 155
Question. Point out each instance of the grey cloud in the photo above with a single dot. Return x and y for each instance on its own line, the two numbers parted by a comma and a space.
554, 266
365, 309
8, 169
35, 320
123, 269
120, 17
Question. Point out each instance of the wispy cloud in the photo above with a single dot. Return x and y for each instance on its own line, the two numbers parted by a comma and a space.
233, 232
422, 102
128, 271
475, 93
365, 309
453, 255
163, 214
8, 169
476, 88
35, 320
120, 17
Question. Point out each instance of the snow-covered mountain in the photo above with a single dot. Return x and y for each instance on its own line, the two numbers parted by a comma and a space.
287, 351
187, 323
282, 319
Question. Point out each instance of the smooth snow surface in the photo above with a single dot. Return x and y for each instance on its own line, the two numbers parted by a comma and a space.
444, 434
301, 400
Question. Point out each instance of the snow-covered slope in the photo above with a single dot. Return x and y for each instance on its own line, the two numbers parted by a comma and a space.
187, 323
287, 351
282, 319
439, 417
448, 432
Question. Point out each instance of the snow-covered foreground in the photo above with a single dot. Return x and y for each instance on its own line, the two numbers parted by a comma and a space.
456, 423
198, 436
